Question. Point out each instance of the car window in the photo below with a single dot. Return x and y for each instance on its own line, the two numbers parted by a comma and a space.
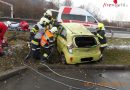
60, 28
91, 19
73, 17
55, 14
63, 33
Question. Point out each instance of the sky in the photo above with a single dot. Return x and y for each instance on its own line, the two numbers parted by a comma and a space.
120, 13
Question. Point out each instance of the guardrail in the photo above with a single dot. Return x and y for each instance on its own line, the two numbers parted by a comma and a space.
18, 19
117, 28
109, 28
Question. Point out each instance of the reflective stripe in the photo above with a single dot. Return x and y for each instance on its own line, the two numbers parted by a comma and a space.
34, 42
45, 55
99, 36
33, 49
38, 48
34, 30
40, 27
104, 45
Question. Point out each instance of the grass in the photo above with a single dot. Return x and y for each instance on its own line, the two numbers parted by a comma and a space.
19, 51
118, 41
116, 56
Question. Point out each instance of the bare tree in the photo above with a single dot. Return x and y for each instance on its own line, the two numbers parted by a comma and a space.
95, 11
82, 6
26, 8
51, 5
67, 3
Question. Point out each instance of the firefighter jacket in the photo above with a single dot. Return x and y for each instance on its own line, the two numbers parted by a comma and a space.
3, 29
102, 38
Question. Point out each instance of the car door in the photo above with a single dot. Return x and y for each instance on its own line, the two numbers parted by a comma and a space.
92, 22
61, 39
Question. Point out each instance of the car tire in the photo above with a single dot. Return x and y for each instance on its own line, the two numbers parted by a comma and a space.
63, 59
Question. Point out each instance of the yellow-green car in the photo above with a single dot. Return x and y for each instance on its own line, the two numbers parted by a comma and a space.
76, 44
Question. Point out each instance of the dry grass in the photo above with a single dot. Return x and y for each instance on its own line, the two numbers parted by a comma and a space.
116, 56
19, 49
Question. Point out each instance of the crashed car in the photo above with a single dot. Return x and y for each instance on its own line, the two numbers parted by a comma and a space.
76, 44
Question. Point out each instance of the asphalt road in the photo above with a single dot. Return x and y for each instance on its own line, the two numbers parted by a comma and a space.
32, 81
118, 35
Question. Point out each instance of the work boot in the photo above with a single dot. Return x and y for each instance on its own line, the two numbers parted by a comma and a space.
43, 59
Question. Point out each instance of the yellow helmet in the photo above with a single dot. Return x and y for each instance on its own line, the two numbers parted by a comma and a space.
100, 26
44, 21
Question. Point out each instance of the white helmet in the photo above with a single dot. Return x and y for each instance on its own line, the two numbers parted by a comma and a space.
44, 21
48, 13
53, 30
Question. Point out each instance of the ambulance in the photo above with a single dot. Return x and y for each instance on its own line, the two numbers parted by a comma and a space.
77, 15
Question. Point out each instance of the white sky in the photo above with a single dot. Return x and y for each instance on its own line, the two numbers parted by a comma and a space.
110, 13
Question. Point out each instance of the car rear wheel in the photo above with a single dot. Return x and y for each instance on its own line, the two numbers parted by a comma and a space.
100, 60
63, 59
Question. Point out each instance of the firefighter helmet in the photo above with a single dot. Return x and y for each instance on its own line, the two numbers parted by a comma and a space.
53, 30
48, 14
100, 26
44, 21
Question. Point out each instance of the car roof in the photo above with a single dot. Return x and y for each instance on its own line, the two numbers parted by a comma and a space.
75, 10
76, 28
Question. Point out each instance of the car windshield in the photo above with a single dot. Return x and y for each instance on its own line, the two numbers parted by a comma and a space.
85, 42
73, 17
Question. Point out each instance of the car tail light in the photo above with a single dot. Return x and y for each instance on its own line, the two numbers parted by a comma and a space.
70, 48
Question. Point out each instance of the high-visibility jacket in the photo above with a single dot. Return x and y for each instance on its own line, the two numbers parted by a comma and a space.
47, 39
36, 33
102, 38
3, 29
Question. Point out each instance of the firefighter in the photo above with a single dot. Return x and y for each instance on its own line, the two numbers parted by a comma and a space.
35, 38
101, 36
36, 34
47, 43
39, 26
3, 29
53, 22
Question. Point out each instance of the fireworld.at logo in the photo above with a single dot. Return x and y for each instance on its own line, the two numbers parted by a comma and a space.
115, 4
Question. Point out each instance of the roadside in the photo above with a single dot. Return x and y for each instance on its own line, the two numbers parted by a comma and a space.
18, 50
117, 79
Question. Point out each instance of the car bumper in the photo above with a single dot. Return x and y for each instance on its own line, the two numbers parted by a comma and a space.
82, 58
